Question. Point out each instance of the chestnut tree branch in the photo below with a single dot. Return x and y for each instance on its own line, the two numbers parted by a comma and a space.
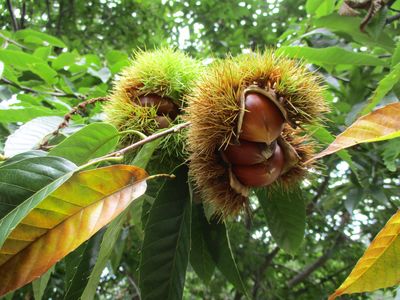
14, 22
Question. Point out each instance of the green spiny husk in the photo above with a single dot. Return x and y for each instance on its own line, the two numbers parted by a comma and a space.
214, 109
166, 72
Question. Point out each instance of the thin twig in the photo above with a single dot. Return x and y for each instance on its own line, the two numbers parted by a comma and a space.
67, 117
29, 90
13, 42
22, 22
392, 19
150, 138
14, 22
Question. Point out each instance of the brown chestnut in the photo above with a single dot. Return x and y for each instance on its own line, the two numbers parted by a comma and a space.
163, 122
164, 106
248, 153
262, 174
263, 121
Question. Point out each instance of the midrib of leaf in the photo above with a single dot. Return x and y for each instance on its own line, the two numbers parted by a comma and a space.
375, 260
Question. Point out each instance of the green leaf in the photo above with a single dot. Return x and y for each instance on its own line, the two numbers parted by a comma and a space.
79, 265
44, 71
40, 284
30, 135
350, 27
285, 211
20, 60
396, 55
29, 35
64, 60
200, 257
104, 74
391, 153
25, 114
114, 229
1, 69
217, 238
331, 56
42, 52
24, 183
384, 87
109, 239
115, 56
320, 8
93, 140
165, 250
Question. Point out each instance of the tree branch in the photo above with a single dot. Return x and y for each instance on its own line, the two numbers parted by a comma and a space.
29, 90
23, 13
392, 19
260, 272
14, 22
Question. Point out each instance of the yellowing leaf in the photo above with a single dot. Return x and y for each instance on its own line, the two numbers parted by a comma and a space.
379, 125
65, 219
379, 267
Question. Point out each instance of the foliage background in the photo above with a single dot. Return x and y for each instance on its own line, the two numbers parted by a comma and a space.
348, 202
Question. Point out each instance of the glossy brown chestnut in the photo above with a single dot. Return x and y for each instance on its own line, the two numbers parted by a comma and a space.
248, 153
163, 122
262, 174
164, 106
263, 121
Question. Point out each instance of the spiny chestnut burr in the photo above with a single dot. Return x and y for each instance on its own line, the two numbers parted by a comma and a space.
263, 121
149, 95
243, 112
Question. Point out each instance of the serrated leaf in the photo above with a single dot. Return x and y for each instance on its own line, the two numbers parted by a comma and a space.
219, 246
200, 256
166, 244
114, 229
384, 87
379, 266
379, 125
93, 140
331, 56
64, 220
350, 27
30, 135
79, 264
24, 182
391, 153
285, 211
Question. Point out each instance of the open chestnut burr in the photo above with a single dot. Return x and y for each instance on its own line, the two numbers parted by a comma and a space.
247, 132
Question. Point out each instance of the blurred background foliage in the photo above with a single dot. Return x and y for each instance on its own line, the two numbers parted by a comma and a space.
54, 54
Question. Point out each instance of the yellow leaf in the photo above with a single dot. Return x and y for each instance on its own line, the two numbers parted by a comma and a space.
381, 124
379, 267
68, 217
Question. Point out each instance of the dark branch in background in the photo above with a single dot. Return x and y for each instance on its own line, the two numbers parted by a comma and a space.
14, 22
392, 19
48, 14
260, 272
23, 13
60, 14
308, 270
29, 90
67, 117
